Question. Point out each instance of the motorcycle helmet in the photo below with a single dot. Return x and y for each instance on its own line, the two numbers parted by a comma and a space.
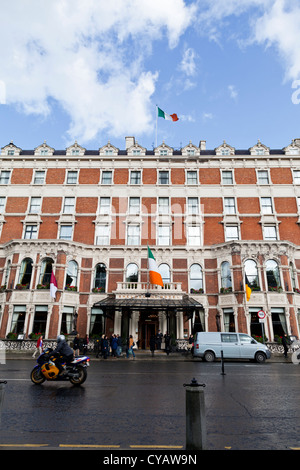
60, 338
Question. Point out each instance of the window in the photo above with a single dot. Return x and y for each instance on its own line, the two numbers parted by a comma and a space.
227, 177
163, 205
46, 270
72, 273
4, 177
163, 235
273, 275
270, 232
39, 177
252, 274
97, 323
67, 320
191, 177
132, 273
296, 174
30, 232
25, 272
7, 273
263, 177
66, 232
266, 205
194, 238
228, 317
40, 319
231, 232
18, 319
163, 177
196, 278
102, 235
69, 205
72, 177
163, 152
100, 277
164, 270
135, 177
104, 208
133, 235
228, 338
229, 205
225, 275
193, 205
293, 276
2, 204
106, 177
278, 321
134, 205
35, 205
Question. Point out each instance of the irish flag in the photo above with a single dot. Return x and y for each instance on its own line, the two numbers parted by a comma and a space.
53, 286
248, 288
169, 117
154, 274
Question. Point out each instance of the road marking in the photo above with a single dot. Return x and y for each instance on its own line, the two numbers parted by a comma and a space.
155, 447
90, 445
24, 445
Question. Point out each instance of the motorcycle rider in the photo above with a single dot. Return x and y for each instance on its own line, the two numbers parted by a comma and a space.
63, 353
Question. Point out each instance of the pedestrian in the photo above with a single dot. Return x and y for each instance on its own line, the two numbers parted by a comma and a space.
167, 343
97, 347
85, 344
191, 342
76, 345
105, 346
114, 345
39, 346
119, 348
159, 339
285, 343
130, 350
152, 344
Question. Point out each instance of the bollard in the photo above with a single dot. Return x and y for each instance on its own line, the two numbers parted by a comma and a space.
222, 361
2, 391
195, 416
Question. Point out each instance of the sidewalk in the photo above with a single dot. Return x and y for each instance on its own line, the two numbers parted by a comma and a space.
144, 355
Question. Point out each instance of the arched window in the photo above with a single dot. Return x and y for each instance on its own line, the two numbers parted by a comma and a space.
273, 275
226, 282
100, 277
25, 273
164, 270
72, 273
132, 273
196, 278
252, 274
46, 270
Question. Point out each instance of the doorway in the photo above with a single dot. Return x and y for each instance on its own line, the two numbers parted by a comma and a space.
148, 326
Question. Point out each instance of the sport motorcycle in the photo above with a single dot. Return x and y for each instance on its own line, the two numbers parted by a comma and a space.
46, 369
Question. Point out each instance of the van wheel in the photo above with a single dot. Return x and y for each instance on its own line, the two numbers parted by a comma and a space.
209, 356
260, 357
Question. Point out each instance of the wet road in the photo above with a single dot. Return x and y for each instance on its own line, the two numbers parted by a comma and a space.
135, 404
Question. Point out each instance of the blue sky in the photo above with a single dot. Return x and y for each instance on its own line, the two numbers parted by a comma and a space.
94, 72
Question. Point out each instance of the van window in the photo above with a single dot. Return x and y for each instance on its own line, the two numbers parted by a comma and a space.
225, 338
245, 339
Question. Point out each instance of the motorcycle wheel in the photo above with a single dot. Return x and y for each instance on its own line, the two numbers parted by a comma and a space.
82, 376
37, 376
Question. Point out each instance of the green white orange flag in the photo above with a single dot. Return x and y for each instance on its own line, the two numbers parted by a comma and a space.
248, 288
169, 117
154, 274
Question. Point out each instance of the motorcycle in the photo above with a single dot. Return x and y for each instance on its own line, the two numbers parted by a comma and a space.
46, 369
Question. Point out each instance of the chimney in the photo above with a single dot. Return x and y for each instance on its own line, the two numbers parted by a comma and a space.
202, 145
130, 141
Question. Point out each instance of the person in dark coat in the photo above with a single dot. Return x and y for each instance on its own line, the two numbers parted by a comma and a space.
152, 343
105, 347
285, 344
167, 343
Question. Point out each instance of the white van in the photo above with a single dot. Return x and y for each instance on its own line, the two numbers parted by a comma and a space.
208, 346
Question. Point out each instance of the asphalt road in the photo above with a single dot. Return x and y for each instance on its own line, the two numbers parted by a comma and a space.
126, 404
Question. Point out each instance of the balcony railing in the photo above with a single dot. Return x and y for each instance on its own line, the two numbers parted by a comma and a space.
145, 286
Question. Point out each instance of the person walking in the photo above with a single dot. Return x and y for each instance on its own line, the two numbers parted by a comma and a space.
105, 346
130, 350
39, 346
152, 344
85, 344
285, 343
114, 346
76, 345
167, 343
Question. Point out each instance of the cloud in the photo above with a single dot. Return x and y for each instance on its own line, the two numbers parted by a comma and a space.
232, 92
188, 65
89, 57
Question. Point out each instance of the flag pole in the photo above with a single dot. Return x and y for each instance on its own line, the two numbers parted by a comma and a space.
156, 126
147, 292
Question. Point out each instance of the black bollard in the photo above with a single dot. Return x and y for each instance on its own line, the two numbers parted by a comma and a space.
2, 391
195, 416
222, 361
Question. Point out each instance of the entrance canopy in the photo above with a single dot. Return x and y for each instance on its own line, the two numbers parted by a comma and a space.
162, 303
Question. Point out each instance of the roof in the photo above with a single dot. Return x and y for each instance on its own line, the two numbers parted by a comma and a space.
148, 302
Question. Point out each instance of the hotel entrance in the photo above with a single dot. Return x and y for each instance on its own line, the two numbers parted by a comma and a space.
148, 326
